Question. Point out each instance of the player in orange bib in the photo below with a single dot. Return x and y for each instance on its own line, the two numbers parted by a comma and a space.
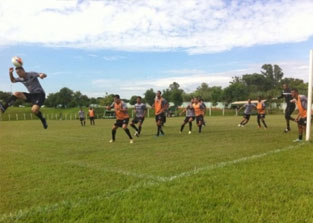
301, 102
91, 114
198, 108
122, 118
159, 106
261, 112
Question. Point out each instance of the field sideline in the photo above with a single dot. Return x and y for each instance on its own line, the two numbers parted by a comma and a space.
70, 173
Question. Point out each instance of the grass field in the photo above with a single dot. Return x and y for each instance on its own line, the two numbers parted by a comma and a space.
70, 173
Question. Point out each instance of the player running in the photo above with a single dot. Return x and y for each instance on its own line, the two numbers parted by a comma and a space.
159, 105
203, 110
81, 115
301, 102
140, 110
286, 93
91, 114
246, 115
36, 94
198, 108
122, 118
261, 113
190, 117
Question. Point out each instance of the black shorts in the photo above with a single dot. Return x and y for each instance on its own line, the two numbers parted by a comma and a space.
92, 118
160, 117
188, 118
246, 116
81, 119
261, 116
289, 110
138, 119
120, 123
35, 98
199, 119
302, 121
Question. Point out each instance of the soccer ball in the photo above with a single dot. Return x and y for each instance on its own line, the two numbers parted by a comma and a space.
17, 61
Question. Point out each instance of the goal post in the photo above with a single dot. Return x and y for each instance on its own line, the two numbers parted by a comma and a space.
309, 105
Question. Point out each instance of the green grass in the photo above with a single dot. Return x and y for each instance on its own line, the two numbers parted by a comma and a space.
70, 173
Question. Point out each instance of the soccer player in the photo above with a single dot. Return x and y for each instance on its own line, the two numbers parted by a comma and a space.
301, 102
198, 108
190, 117
203, 110
246, 116
91, 114
122, 118
261, 113
159, 105
81, 115
140, 110
286, 93
36, 94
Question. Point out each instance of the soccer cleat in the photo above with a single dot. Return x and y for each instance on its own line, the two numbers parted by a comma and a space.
2, 108
297, 140
239, 125
111, 141
189, 132
136, 134
286, 130
131, 141
44, 123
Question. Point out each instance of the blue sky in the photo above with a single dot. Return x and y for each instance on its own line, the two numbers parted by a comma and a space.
127, 47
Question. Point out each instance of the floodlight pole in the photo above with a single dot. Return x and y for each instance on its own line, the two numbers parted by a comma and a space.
309, 105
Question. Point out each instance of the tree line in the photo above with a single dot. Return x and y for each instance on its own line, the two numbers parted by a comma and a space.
267, 84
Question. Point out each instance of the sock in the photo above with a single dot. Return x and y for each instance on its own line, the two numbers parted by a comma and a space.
134, 127
300, 137
288, 125
182, 127
39, 115
113, 134
190, 126
158, 130
128, 133
264, 124
259, 124
10, 102
161, 130
139, 129
200, 127
81, 122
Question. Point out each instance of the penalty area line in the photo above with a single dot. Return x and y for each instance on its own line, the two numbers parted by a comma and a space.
76, 203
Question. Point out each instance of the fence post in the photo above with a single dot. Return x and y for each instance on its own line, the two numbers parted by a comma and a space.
210, 111
236, 110
9, 117
24, 116
148, 112
223, 111
31, 116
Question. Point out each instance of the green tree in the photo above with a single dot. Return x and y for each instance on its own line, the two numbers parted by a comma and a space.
133, 100
149, 96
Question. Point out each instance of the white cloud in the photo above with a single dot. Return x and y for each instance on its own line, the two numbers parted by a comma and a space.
198, 26
190, 79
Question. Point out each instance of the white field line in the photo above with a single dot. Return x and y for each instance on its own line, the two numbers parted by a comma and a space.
76, 203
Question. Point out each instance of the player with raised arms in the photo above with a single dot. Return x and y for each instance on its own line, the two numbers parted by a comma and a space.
36, 94
122, 118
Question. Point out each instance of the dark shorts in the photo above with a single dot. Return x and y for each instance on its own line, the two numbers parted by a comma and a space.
35, 98
302, 121
138, 119
160, 117
289, 110
81, 119
199, 119
92, 118
120, 123
188, 118
261, 116
246, 116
